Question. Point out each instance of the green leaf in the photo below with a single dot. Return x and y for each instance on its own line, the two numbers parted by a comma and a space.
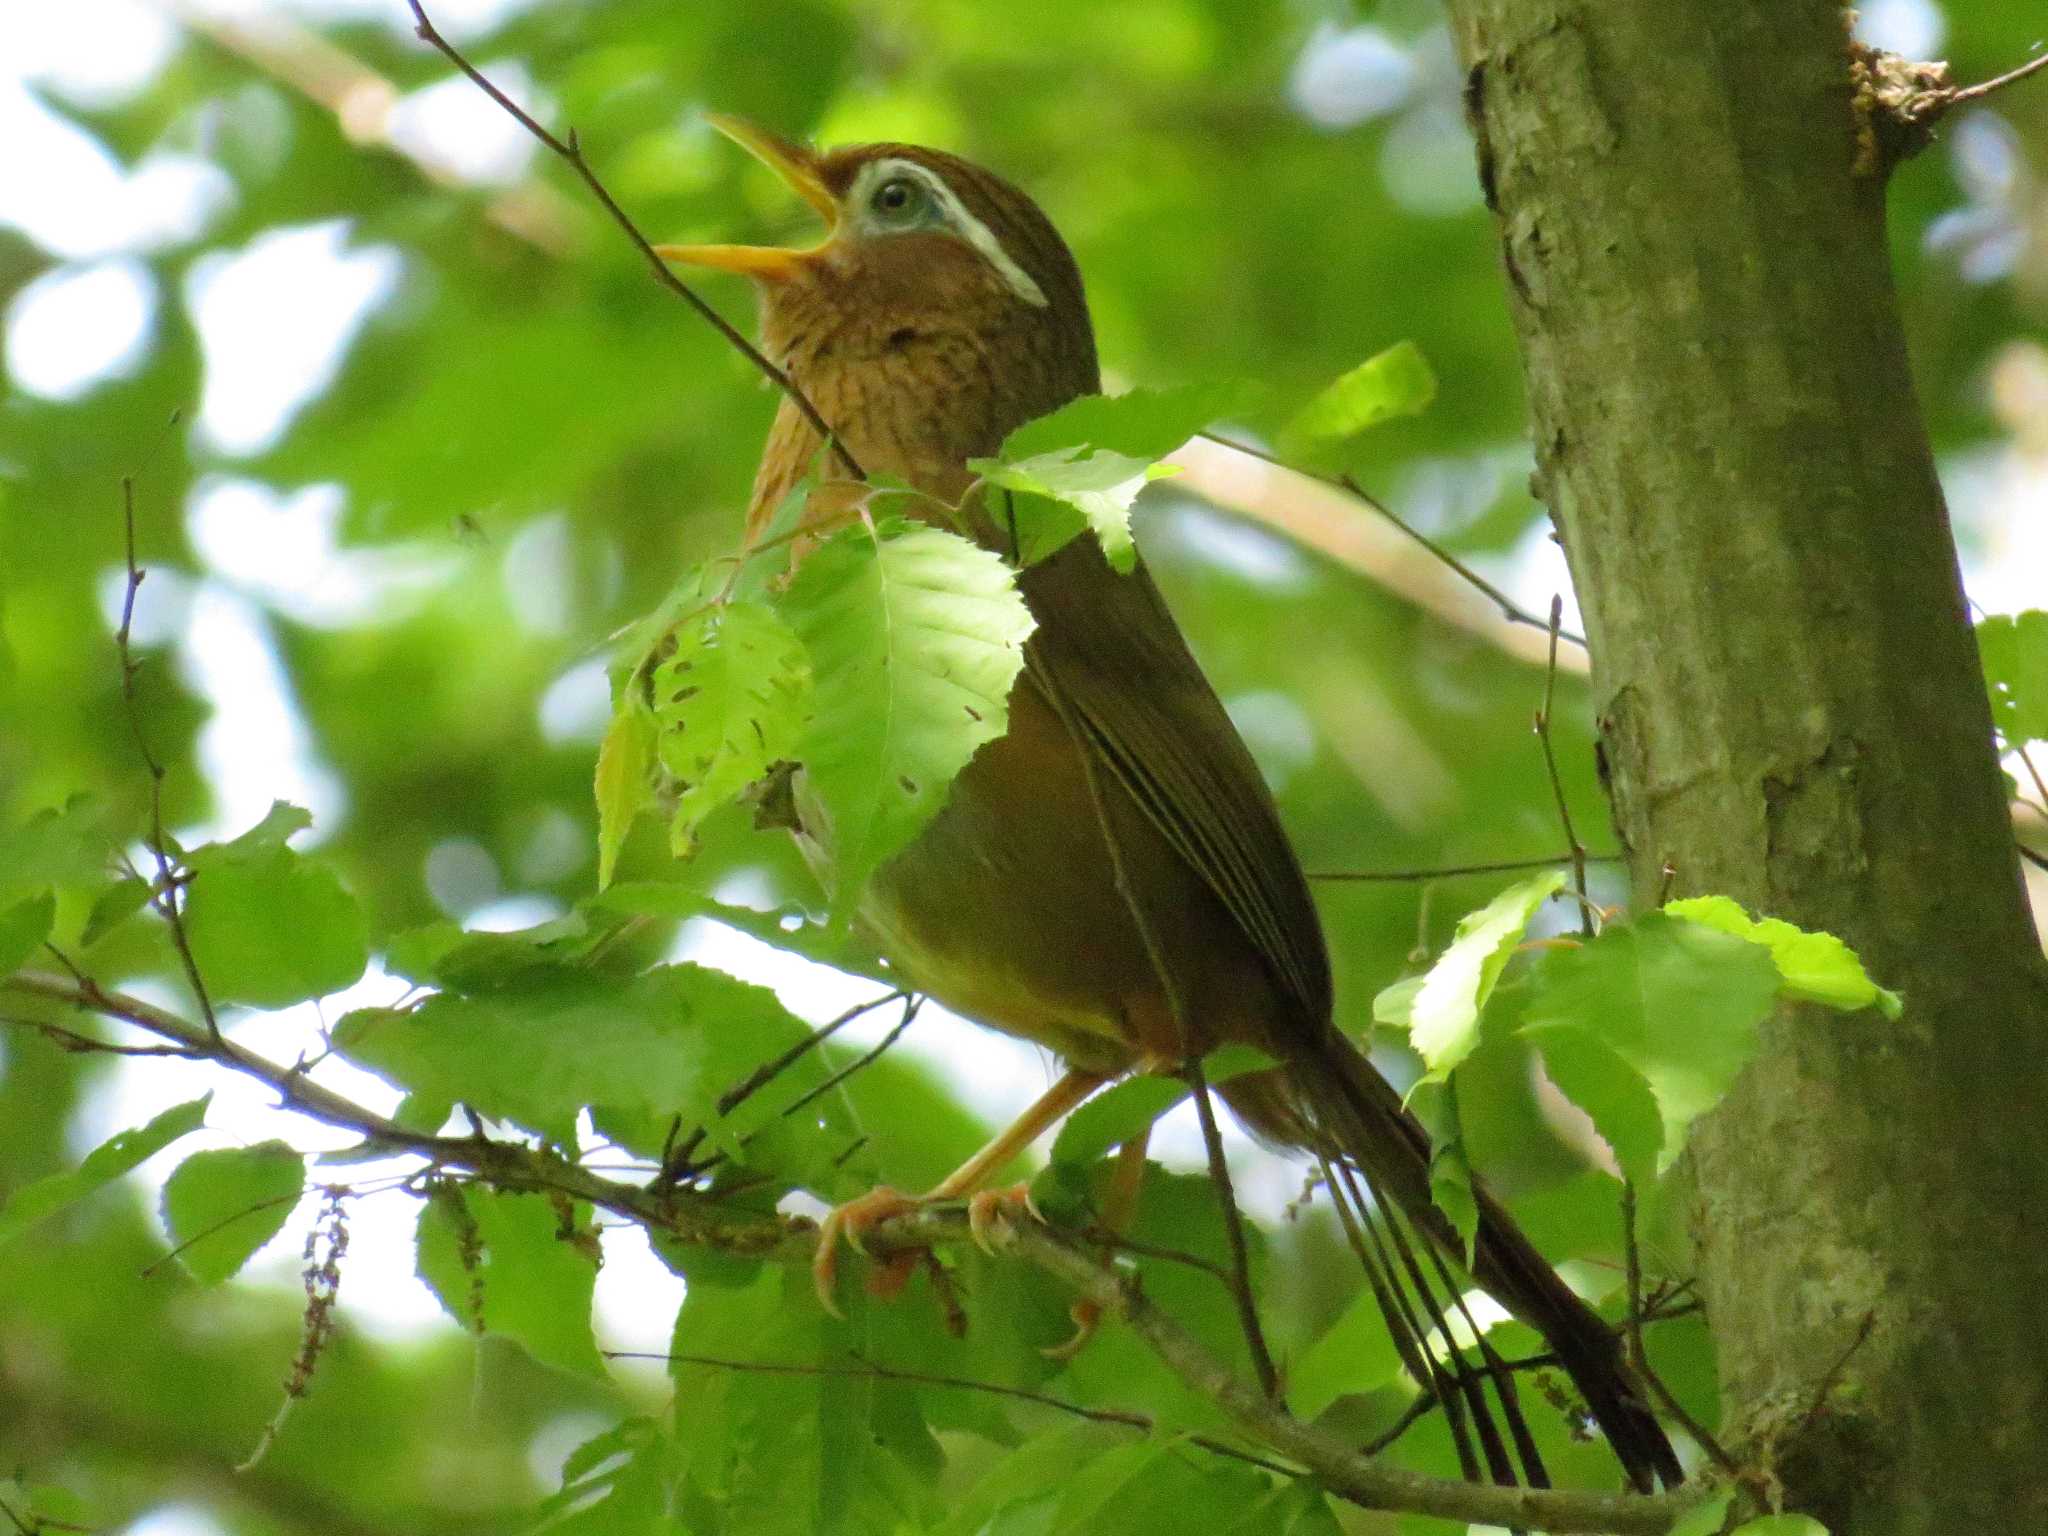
105, 1163
1100, 486
1622, 1107
1118, 1114
1816, 967
1396, 382
269, 927
1443, 1015
1355, 1354
730, 701
624, 779
67, 846
1780, 1525
1706, 1517
1435, 1104
445, 955
916, 636
222, 1206
506, 1262
2015, 656
1142, 424
788, 929
668, 1042
23, 927
113, 907
1677, 1001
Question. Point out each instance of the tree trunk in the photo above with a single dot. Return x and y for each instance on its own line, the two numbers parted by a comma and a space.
1791, 713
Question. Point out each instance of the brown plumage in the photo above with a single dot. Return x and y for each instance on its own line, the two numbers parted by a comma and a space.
942, 312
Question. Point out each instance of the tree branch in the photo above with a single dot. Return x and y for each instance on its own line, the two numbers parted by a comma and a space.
1067, 1258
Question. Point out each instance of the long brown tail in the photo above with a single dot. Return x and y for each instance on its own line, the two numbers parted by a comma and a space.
1360, 1119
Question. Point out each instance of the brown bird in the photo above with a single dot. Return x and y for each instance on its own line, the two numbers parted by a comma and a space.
1110, 877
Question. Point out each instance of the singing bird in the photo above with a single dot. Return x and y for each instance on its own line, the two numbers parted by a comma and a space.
1110, 877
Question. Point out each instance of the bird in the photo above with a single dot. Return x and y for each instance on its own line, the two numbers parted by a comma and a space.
1110, 877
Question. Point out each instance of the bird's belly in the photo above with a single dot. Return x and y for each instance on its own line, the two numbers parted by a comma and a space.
1007, 909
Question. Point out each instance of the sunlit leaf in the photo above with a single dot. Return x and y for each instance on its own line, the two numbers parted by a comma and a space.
625, 769
915, 637
1443, 1013
105, 1163
2014, 650
1816, 967
1141, 424
1101, 487
222, 1206
1396, 382
730, 700
1677, 1001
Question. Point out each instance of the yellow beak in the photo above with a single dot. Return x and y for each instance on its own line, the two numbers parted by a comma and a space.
798, 165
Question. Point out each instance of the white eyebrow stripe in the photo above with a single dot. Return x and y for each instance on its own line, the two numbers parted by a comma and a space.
964, 224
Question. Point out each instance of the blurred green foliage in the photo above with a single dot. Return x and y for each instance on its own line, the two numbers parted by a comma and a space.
542, 440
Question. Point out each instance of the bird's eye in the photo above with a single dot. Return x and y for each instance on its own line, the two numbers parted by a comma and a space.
899, 200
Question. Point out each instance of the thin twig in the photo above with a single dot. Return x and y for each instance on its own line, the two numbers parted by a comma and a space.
1564, 810
72, 1040
170, 881
571, 152
910, 1007
1632, 1262
1510, 610
1984, 88
1233, 1231
2033, 856
1448, 871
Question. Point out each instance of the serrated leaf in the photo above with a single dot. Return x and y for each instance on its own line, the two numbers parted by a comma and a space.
1678, 1001
220, 1207
1443, 1013
105, 1163
113, 907
23, 927
1816, 967
915, 637
1142, 424
624, 782
1706, 1517
1100, 486
2014, 650
1396, 382
729, 701
505, 1260
665, 1043
268, 926
1355, 1354
1611, 1092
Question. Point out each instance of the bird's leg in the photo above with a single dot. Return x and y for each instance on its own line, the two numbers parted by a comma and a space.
1119, 1205
853, 1219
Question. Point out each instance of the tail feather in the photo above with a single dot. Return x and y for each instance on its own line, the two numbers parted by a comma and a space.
1358, 1120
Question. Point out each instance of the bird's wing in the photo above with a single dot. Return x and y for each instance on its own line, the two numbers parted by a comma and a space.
1110, 647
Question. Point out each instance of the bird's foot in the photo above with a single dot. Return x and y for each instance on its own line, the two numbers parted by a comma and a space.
1087, 1317
991, 1211
853, 1221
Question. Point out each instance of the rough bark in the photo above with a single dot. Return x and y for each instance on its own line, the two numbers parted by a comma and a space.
1791, 713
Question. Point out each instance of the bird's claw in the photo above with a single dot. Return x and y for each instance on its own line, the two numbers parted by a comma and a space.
1087, 1317
852, 1222
990, 1212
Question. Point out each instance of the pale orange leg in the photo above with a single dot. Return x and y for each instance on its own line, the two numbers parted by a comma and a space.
1119, 1205
854, 1218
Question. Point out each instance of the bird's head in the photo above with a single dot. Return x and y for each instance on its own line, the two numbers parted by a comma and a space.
922, 251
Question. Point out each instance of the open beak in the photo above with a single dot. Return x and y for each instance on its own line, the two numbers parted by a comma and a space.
795, 163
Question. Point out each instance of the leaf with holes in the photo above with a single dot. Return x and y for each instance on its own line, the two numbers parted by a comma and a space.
222, 1206
915, 637
2014, 650
729, 701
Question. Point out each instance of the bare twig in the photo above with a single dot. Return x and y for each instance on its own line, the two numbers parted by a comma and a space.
72, 1040
911, 1004
1632, 1262
170, 879
571, 153
1983, 88
1564, 810
1233, 1231
1448, 871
